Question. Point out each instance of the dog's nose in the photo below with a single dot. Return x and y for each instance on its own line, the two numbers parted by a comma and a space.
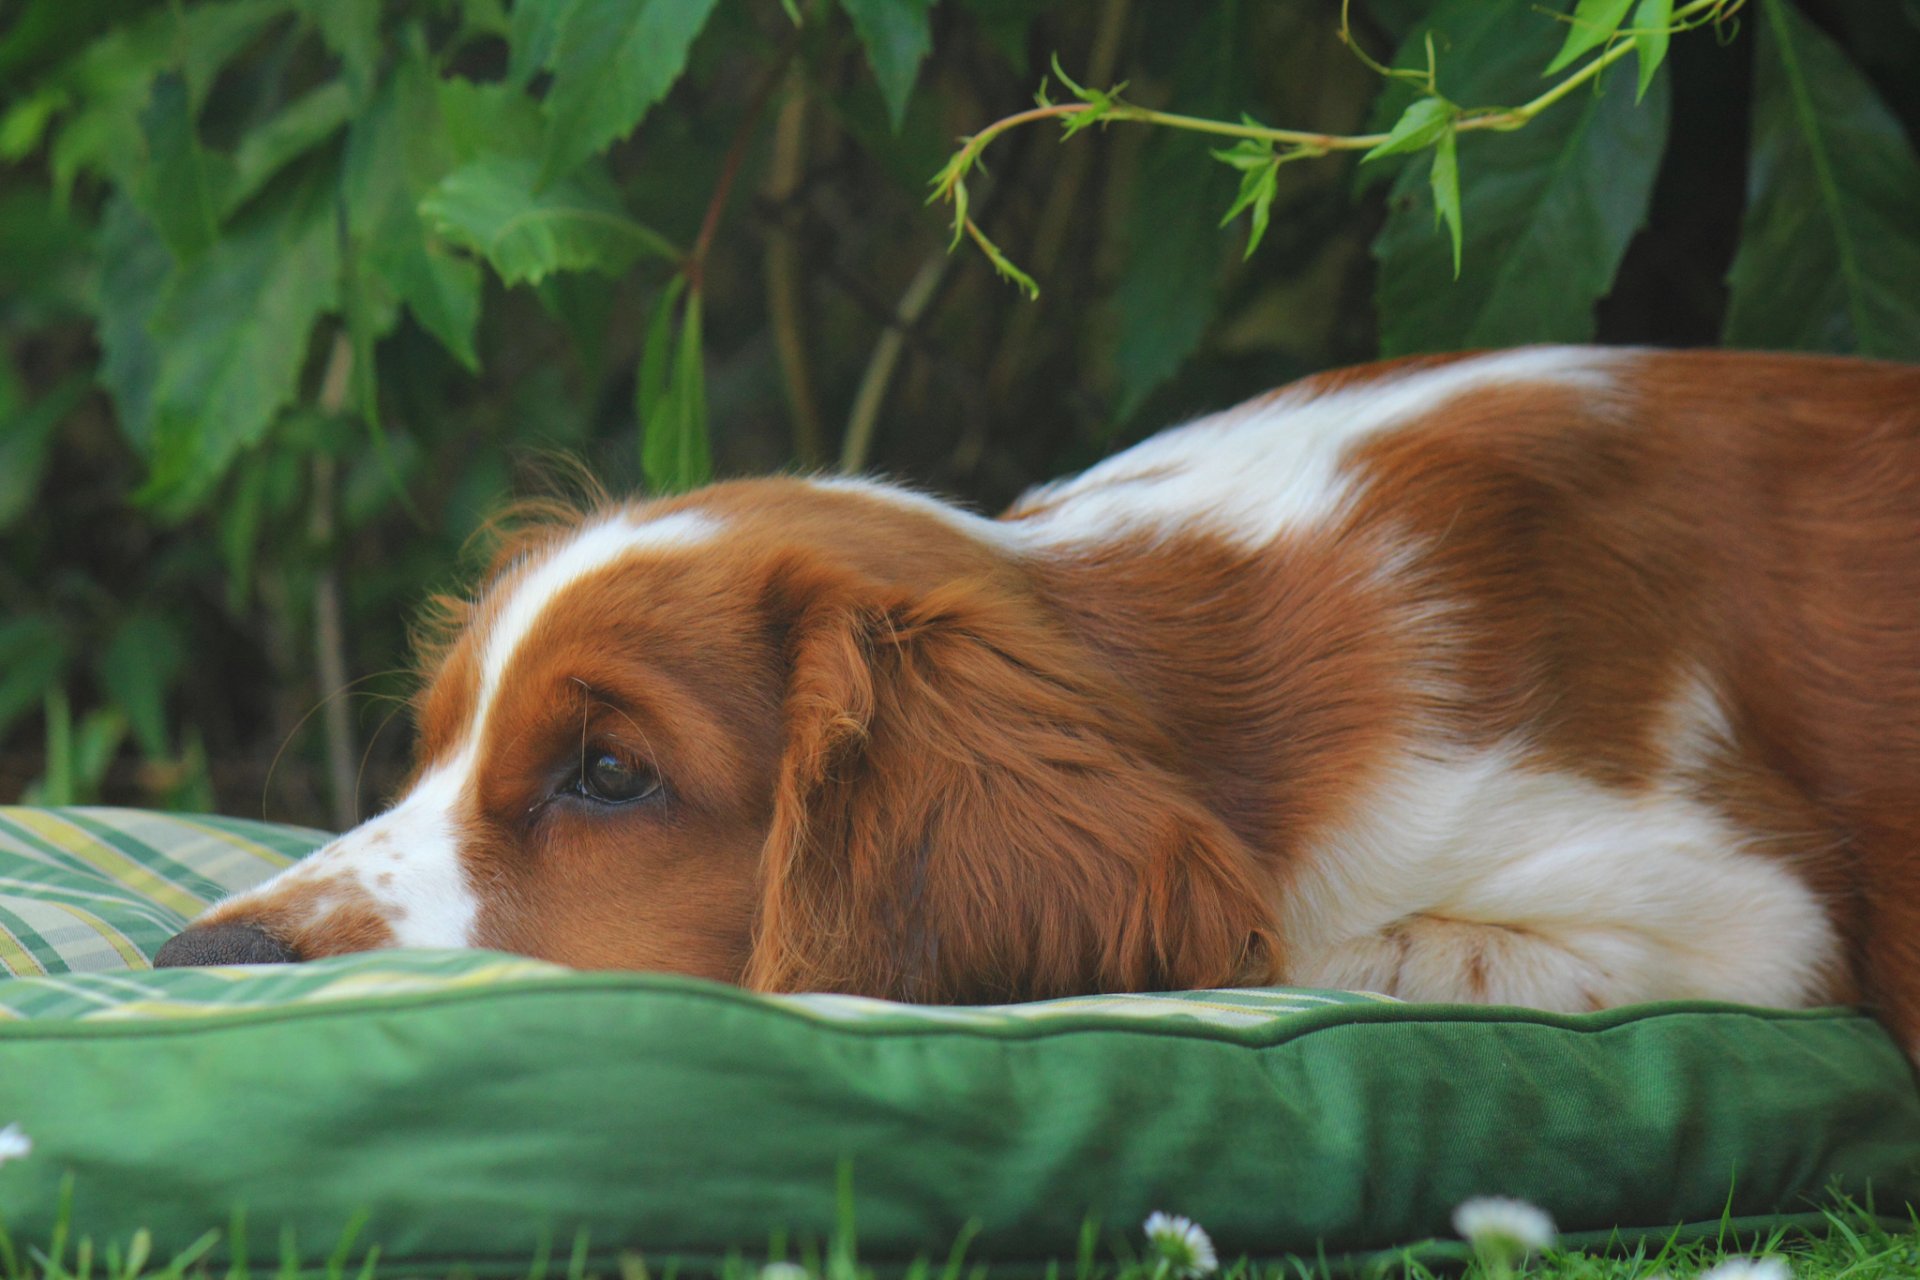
212, 944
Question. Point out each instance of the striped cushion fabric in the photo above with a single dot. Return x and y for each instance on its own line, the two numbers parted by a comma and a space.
87, 896
471, 1109
87, 890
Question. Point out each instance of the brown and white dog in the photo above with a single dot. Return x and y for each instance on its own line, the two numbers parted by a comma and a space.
1562, 677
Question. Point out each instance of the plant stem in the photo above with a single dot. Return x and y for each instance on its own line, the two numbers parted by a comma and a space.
1685, 17
329, 625
696, 260
867, 402
781, 268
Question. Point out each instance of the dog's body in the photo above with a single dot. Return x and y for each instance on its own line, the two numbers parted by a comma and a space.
1562, 677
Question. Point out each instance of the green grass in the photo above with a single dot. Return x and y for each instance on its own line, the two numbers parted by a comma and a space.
1854, 1245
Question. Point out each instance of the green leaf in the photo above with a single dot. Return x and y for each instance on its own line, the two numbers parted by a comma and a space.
135, 267
1829, 256
1423, 123
1444, 181
1169, 286
351, 28
301, 126
495, 208
1546, 210
26, 444
1594, 23
897, 37
1652, 22
205, 37
532, 37
95, 745
612, 61
670, 393
396, 152
26, 121
488, 119
181, 187
1257, 188
140, 663
33, 660
656, 355
112, 80
237, 327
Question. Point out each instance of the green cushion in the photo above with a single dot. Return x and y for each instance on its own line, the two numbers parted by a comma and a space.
471, 1103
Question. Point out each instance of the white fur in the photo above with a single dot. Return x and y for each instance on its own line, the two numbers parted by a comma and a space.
1572, 895
1253, 472
997, 532
408, 858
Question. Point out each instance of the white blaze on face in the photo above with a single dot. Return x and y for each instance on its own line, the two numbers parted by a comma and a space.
408, 859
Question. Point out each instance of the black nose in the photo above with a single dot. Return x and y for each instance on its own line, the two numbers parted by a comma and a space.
213, 944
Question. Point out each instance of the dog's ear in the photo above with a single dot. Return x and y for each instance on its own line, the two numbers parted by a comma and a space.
966, 813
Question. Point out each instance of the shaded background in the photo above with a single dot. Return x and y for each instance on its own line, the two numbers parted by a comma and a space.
176, 605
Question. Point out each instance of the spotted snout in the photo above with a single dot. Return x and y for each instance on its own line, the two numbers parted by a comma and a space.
395, 881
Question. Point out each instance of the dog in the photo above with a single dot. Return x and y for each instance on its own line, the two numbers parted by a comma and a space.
1561, 677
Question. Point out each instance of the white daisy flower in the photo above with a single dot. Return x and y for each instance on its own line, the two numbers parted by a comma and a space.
14, 1144
1749, 1269
1181, 1244
1505, 1229
783, 1271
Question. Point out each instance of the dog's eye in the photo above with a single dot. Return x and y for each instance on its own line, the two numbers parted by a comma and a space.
608, 779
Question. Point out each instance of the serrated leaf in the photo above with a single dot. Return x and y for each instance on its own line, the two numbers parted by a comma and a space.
612, 61
1423, 122
1829, 256
1652, 34
488, 119
532, 37
181, 187
1246, 155
33, 659
396, 152
496, 208
299, 127
139, 664
112, 78
1594, 23
897, 37
1547, 210
237, 326
1257, 188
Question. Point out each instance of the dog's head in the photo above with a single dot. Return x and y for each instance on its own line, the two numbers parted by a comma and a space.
793, 734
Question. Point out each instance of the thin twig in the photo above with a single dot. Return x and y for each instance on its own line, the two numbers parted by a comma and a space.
781, 269
694, 267
867, 402
329, 625
1050, 234
1685, 17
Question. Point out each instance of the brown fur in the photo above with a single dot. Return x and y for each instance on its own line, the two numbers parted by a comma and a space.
902, 761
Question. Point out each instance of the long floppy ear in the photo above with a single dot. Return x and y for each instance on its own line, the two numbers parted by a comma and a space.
967, 813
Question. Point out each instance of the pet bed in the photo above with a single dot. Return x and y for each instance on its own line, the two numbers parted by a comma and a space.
467, 1106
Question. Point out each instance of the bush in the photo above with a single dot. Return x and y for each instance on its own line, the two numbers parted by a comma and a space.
289, 289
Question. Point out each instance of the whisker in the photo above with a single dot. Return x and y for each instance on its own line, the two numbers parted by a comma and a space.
266, 785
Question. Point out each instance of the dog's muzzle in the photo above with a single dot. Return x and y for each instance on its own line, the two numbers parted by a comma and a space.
203, 945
